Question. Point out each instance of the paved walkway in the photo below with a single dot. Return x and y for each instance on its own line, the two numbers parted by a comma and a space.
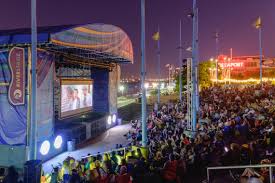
104, 142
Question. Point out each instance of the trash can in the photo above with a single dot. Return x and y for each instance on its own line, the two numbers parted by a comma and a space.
32, 171
71, 145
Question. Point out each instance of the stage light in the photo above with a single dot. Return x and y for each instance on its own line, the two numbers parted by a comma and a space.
58, 142
226, 149
121, 88
114, 118
45, 147
162, 86
109, 120
155, 85
146, 85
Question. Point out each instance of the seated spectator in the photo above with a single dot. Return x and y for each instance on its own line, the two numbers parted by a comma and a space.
123, 176
170, 170
12, 176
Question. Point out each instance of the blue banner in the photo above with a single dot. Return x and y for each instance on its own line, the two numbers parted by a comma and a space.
44, 104
13, 119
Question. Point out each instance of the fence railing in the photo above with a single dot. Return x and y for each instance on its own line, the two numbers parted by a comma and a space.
107, 152
270, 166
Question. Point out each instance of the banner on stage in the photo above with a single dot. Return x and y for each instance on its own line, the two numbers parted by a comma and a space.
16, 92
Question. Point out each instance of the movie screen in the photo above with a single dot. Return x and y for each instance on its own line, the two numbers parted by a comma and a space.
76, 97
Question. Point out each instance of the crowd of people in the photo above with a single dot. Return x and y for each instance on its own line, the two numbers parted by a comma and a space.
236, 126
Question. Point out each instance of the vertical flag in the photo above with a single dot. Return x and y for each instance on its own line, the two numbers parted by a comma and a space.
156, 36
258, 23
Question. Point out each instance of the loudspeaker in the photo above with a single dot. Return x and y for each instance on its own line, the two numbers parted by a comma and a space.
32, 171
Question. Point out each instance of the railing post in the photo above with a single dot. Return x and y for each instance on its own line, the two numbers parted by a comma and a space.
270, 173
208, 177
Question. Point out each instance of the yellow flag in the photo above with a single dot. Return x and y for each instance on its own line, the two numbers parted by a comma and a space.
258, 23
156, 36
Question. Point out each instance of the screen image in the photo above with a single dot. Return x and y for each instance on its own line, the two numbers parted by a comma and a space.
76, 97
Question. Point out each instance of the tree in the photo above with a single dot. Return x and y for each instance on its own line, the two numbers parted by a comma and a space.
204, 73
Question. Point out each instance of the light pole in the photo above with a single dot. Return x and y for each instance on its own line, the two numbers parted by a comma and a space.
194, 66
159, 68
169, 66
261, 55
156, 37
231, 57
121, 89
33, 125
143, 74
258, 25
180, 64
217, 55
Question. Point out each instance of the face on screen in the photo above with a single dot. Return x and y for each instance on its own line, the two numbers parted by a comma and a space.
75, 99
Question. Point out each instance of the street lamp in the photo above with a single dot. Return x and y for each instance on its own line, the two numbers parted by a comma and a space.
146, 86
217, 72
121, 89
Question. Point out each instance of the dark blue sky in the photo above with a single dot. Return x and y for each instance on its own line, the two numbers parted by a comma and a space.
232, 18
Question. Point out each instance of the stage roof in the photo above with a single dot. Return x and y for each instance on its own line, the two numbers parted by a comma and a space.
102, 42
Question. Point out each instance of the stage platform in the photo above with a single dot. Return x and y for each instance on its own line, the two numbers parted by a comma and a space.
79, 130
105, 142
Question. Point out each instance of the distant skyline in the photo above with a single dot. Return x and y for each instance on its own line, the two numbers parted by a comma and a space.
233, 20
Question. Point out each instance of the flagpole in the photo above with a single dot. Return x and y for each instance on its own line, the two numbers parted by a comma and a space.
143, 73
197, 61
194, 64
158, 67
180, 63
33, 125
261, 56
217, 55
231, 56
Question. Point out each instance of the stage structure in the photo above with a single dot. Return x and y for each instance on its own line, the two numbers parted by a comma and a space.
78, 72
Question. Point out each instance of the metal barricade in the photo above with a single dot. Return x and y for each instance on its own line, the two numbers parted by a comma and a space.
107, 152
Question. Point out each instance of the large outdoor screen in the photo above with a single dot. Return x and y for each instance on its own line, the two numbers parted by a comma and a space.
76, 97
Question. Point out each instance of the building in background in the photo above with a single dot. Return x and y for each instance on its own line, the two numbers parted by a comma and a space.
244, 67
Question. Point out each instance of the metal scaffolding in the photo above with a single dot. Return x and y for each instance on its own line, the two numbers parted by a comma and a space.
189, 94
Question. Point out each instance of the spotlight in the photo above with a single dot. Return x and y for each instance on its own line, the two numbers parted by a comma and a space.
114, 118
58, 142
45, 147
109, 120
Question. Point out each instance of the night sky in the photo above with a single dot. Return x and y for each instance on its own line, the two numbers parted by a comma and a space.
232, 18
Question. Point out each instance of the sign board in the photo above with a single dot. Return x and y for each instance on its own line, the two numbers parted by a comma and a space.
17, 85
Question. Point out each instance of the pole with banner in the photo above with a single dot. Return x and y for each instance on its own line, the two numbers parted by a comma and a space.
194, 66
156, 37
33, 123
143, 74
217, 55
261, 56
180, 64
197, 60
258, 25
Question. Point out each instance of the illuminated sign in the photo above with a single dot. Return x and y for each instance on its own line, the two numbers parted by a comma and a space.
231, 65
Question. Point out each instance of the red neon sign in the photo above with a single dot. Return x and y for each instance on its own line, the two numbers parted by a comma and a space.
231, 64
